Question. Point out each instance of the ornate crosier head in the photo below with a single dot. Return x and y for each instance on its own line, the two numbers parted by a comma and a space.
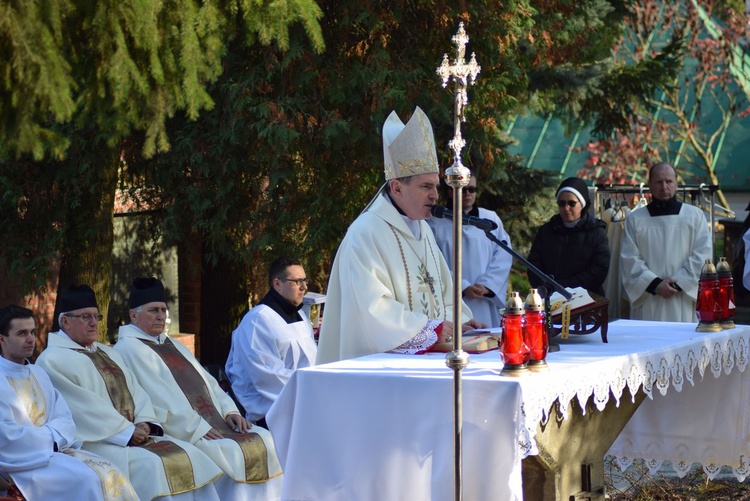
463, 74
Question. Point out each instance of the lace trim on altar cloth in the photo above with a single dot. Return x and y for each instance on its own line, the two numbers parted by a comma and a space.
526, 444
723, 355
682, 468
659, 373
422, 342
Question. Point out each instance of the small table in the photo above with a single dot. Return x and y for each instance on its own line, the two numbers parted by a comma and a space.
586, 319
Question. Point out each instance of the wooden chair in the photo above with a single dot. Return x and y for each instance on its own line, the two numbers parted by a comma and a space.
11, 491
217, 371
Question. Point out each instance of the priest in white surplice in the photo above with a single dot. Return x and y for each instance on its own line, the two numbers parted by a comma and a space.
486, 266
197, 409
664, 246
38, 448
114, 416
274, 339
390, 289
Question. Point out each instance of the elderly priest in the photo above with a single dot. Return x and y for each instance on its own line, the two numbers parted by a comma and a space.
38, 448
198, 410
390, 288
114, 416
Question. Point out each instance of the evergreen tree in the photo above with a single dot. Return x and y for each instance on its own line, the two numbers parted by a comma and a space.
80, 77
292, 152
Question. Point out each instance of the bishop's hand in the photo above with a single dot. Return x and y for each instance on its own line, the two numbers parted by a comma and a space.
473, 324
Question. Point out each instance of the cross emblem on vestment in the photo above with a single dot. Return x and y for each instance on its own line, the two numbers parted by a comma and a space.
205, 407
430, 280
109, 369
174, 358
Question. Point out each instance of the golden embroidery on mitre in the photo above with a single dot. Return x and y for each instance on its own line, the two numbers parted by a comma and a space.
408, 149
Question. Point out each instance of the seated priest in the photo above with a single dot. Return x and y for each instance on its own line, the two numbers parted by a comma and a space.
274, 339
114, 416
38, 447
197, 409
390, 288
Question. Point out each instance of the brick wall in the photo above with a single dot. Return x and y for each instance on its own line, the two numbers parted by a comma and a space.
43, 305
189, 257
187, 339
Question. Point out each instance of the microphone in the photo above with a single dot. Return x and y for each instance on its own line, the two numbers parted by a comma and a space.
483, 224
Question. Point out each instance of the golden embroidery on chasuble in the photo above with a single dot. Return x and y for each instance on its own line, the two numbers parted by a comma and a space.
114, 381
114, 484
31, 396
194, 387
176, 462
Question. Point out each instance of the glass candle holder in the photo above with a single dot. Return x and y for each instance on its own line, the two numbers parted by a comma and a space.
725, 294
535, 331
707, 307
513, 350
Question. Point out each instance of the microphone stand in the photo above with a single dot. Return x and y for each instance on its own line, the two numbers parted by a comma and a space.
547, 281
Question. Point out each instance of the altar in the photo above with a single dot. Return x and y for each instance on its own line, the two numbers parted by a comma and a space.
380, 427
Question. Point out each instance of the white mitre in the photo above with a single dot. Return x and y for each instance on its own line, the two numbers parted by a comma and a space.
408, 149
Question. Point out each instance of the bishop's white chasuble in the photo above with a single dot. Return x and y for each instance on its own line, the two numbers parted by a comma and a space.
387, 288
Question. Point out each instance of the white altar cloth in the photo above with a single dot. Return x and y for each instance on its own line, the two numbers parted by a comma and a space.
381, 427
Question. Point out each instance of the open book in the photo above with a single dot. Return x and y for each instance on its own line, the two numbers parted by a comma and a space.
580, 298
474, 341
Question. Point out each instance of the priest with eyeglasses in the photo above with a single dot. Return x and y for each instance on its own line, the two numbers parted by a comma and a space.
272, 341
113, 414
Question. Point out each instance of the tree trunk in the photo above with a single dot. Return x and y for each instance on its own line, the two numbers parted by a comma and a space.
224, 300
87, 251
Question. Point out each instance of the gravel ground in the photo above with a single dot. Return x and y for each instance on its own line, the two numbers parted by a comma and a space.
635, 484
